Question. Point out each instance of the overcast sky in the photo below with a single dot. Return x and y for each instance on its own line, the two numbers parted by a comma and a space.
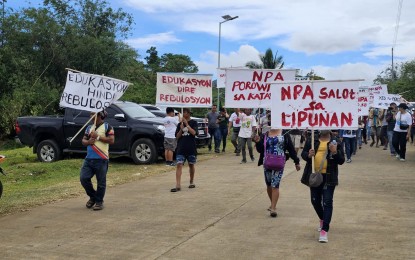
337, 39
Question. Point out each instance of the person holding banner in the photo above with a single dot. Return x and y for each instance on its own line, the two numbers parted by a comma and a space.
328, 154
235, 123
277, 143
213, 128
247, 132
376, 117
401, 132
97, 138
186, 148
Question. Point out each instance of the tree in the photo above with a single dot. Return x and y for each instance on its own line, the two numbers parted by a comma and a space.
269, 61
402, 80
39, 43
313, 76
169, 62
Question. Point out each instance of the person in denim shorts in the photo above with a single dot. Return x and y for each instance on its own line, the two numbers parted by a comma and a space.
186, 148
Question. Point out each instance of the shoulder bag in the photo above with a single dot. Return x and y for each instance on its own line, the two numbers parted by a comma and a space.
316, 178
272, 161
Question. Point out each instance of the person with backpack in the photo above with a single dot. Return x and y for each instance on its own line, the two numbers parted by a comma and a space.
97, 138
272, 147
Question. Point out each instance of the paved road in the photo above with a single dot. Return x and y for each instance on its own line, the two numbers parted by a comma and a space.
225, 217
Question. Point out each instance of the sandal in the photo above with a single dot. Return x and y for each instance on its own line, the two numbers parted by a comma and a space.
273, 214
191, 186
90, 203
175, 190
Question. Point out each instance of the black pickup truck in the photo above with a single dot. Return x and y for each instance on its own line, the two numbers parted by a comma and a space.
138, 133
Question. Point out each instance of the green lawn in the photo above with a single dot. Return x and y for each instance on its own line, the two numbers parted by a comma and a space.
30, 183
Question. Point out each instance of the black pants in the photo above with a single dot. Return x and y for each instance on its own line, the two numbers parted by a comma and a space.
399, 143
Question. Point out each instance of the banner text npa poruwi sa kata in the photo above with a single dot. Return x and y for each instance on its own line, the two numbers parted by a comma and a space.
315, 105
91, 92
251, 88
184, 89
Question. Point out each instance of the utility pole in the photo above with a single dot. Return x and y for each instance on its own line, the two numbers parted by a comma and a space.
393, 70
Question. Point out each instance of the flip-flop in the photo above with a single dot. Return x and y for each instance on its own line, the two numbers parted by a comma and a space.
175, 190
191, 186
273, 214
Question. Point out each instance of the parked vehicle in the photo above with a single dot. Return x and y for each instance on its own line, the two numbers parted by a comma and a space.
138, 133
202, 137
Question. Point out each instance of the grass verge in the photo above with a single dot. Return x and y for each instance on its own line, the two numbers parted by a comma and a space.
30, 183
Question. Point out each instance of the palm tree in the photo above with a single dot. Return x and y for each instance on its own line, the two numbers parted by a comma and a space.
269, 61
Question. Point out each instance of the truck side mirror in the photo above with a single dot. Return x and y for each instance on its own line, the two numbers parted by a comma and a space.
120, 117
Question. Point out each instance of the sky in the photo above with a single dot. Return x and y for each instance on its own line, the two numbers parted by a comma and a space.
337, 39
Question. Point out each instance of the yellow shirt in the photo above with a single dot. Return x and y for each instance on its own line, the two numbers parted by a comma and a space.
320, 156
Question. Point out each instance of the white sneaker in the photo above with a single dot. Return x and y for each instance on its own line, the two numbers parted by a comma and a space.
320, 226
402, 159
323, 237
398, 156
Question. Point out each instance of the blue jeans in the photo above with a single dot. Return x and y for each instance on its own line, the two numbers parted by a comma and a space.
215, 134
359, 137
99, 168
349, 145
223, 133
390, 137
322, 201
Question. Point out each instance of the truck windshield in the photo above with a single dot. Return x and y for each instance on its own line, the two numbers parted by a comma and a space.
135, 111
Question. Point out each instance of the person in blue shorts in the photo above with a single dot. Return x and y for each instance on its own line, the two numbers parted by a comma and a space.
186, 148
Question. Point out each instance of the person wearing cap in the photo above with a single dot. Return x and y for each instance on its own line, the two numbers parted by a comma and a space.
401, 132
390, 119
97, 138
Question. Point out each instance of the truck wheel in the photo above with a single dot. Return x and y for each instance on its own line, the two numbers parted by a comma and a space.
48, 151
1, 189
143, 151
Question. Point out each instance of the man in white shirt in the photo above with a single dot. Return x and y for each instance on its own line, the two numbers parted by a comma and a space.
248, 130
170, 143
235, 123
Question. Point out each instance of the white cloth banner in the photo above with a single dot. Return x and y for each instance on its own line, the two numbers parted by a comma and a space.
91, 92
363, 101
315, 105
383, 101
376, 90
251, 88
221, 80
184, 89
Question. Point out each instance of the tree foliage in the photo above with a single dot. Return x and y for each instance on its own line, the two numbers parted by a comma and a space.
400, 80
38, 44
269, 61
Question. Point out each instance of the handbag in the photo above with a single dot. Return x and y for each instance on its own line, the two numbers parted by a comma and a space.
316, 178
402, 126
272, 161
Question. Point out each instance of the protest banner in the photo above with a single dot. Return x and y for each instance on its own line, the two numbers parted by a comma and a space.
221, 80
383, 101
91, 92
184, 89
251, 88
315, 104
363, 101
376, 90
